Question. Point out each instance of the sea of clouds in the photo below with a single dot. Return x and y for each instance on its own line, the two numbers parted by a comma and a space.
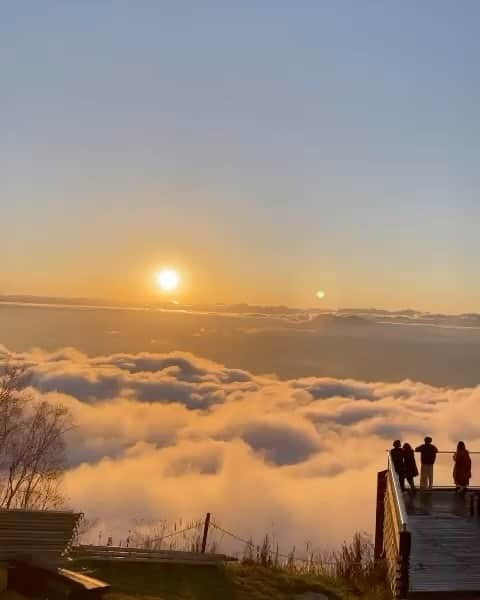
441, 350
163, 436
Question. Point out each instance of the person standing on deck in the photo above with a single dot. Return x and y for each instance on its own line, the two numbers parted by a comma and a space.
462, 471
396, 456
410, 465
428, 454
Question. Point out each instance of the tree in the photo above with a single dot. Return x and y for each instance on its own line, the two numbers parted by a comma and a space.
32, 445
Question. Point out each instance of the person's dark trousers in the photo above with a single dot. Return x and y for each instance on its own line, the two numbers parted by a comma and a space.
401, 478
411, 483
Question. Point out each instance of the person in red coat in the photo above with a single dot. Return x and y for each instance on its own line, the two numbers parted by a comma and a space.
462, 470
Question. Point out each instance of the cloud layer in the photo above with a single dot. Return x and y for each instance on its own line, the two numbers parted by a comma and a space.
370, 346
164, 436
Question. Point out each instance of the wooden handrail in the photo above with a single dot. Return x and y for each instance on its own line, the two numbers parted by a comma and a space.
395, 537
400, 502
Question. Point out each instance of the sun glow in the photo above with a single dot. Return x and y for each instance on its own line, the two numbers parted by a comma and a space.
167, 280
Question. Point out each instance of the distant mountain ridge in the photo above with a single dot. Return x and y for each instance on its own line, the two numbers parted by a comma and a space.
408, 316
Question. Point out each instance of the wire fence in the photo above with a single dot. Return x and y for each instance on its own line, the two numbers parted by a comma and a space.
266, 551
174, 533
249, 543
257, 547
353, 562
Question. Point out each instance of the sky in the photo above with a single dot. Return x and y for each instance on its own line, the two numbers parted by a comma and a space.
265, 150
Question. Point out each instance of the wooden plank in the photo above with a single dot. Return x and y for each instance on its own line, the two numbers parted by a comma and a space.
445, 553
86, 582
197, 557
41, 580
173, 561
118, 554
36, 534
119, 551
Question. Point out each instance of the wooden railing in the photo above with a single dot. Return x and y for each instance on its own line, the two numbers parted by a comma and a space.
121, 554
392, 538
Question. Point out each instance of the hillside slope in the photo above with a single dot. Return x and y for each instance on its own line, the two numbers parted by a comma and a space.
232, 582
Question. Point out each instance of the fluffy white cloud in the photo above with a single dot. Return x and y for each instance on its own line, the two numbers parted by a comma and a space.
164, 436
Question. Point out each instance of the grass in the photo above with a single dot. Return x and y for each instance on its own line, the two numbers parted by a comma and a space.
135, 581
347, 573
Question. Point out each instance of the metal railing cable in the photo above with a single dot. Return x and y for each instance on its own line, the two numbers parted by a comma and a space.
252, 544
453, 451
160, 538
232, 535
291, 556
174, 533
446, 451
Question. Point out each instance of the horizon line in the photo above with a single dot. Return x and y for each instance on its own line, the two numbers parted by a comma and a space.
177, 306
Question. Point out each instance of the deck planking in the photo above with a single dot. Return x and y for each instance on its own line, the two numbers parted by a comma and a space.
445, 550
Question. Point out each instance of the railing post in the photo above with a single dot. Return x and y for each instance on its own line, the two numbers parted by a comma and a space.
380, 513
205, 533
403, 573
397, 540
475, 504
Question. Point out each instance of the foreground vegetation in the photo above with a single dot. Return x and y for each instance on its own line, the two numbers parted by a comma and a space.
262, 572
239, 581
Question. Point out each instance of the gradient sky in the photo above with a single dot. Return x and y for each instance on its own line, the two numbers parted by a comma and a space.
266, 149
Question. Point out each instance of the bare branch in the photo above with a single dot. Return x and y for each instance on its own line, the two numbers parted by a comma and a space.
32, 446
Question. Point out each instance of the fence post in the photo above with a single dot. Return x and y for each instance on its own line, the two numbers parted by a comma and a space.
205, 533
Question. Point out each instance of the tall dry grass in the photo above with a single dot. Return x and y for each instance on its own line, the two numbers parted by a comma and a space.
352, 565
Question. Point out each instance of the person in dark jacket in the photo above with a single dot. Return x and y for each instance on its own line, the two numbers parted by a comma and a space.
462, 471
428, 454
409, 465
396, 455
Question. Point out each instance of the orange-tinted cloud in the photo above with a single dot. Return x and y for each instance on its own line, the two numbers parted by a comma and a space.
163, 436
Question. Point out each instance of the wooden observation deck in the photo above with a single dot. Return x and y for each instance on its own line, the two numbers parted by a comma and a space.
430, 540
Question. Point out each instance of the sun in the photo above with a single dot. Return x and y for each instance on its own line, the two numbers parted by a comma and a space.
167, 280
